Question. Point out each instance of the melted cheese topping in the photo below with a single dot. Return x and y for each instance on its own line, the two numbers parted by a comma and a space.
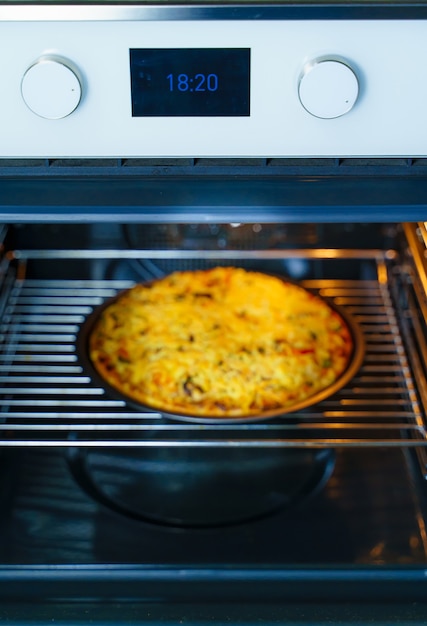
224, 342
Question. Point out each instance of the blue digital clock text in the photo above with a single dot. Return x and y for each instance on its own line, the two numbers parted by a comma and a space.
200, 82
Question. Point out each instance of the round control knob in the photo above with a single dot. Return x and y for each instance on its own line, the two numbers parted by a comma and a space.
328, 88
51, 89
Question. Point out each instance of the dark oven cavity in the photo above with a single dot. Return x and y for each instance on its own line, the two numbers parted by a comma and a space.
87, 479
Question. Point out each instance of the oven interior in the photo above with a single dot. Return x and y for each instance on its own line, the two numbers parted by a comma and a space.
70, 451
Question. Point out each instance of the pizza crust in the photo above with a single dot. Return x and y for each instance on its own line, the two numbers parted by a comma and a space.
220, 343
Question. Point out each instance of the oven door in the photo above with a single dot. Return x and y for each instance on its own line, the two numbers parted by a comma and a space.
351, 540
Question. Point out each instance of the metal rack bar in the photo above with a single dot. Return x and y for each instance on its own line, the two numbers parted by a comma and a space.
215, 254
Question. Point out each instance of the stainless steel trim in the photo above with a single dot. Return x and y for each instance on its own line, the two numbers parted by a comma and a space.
136, 12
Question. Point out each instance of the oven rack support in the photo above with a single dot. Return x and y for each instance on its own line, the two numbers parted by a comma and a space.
47, 399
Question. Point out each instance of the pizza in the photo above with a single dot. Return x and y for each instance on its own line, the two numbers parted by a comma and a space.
223, 342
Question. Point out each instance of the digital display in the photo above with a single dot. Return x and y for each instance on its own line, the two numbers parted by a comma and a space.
197, 82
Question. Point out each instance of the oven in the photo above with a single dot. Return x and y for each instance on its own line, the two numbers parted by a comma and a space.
140, 139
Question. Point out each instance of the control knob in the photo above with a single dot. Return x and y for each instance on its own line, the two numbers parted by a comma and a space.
51, 88
328, 88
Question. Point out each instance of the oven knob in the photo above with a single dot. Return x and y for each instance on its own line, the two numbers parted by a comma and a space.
328, 88
51, 88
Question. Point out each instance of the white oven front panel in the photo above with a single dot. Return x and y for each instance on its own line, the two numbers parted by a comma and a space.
305, 89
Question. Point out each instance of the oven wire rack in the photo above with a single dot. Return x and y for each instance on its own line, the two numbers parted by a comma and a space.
47, 400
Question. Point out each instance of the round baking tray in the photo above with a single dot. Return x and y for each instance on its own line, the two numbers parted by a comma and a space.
353, 366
